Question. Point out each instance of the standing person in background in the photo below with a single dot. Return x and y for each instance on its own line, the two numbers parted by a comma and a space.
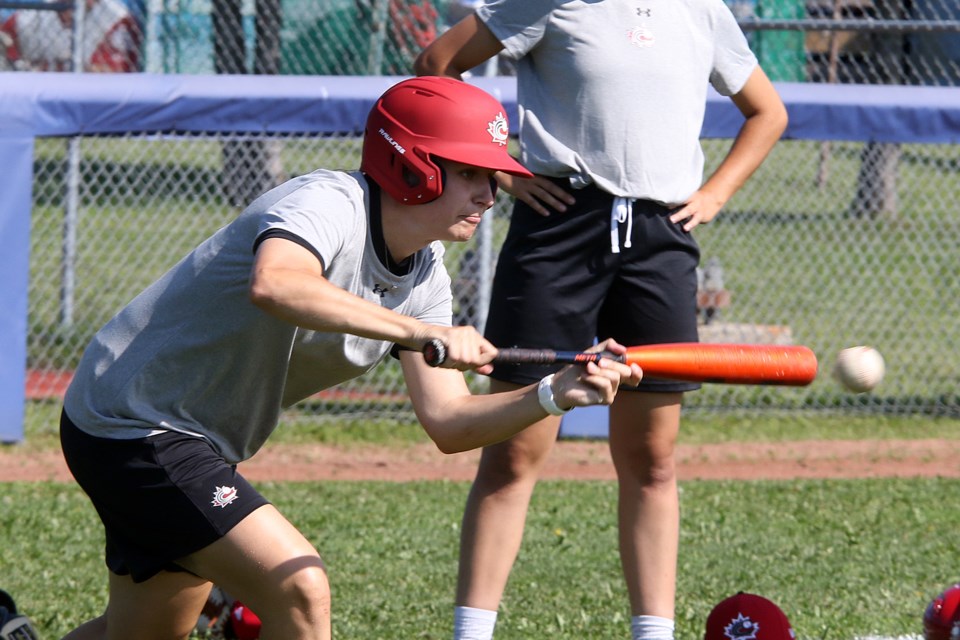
315, 283
612, 97
42, 40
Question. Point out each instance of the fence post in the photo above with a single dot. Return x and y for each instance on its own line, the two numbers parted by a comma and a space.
68, 265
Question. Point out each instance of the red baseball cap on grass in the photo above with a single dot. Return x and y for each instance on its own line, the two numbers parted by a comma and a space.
941, 620
746, 616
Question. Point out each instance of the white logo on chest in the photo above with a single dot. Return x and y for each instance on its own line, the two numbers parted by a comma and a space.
640, 36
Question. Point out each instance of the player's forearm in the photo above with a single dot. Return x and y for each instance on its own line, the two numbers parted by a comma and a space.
427, 65
458, 421
464, 46
474, 421
756, 139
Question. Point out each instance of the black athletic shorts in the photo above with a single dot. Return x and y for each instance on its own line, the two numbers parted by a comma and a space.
160, 498
559, 285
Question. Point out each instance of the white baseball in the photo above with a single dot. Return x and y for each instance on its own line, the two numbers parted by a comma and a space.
859, 369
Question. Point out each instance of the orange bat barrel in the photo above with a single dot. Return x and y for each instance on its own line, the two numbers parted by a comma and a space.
788, 365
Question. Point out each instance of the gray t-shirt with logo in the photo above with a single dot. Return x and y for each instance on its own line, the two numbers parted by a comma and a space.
191, 353
614, 92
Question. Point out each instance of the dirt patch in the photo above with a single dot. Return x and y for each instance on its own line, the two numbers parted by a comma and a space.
571, 459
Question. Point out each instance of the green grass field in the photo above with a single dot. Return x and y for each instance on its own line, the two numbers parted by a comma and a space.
844, 558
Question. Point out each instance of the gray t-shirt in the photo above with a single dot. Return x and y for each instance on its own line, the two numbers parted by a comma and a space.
614, 92
191, 353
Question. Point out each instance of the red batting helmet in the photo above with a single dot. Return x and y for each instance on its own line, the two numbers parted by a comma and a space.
747, 616
419, 118
941, 620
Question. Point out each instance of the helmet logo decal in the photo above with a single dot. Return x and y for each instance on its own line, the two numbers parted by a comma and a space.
741, 628
498, 129
223, 496
393, 143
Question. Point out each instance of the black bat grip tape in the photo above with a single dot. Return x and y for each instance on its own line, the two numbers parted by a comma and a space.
526, 356
549, 356
435, 354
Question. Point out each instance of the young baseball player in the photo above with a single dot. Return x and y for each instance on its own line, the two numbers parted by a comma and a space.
313, 284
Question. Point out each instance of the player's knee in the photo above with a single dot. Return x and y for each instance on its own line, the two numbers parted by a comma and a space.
663, 473
515, 471
513, 463
659, 474
308, 592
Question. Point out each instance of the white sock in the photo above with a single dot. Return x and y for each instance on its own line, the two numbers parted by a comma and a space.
651, 628
473, 624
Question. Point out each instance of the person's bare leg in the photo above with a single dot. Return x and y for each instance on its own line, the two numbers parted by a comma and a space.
263, 561
643, 433
496, 510
267, 564
166, 607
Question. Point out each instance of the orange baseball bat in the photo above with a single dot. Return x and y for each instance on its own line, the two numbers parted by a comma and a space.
787, 365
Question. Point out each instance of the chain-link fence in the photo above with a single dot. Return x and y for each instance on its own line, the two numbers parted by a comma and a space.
845, 41
830, 244
799, 261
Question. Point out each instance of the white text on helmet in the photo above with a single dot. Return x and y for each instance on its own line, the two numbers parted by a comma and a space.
393, 143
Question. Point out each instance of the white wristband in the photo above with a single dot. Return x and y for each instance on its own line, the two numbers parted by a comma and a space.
545, 396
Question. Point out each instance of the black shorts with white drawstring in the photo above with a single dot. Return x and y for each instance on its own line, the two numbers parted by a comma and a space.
597, 270
160, 498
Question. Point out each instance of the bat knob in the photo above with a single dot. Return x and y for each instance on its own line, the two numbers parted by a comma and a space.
434, 352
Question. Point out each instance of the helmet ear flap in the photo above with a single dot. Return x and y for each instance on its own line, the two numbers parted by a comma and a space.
412, 180
423, 184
